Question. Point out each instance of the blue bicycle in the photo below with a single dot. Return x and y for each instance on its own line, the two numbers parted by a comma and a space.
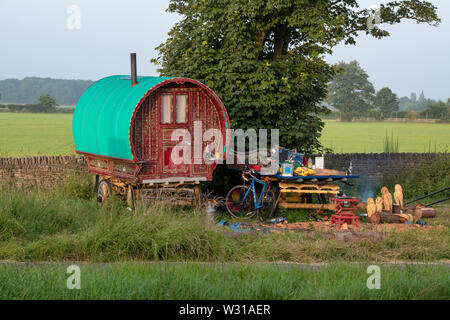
243, 201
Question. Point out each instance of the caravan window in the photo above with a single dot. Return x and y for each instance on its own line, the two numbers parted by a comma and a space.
166, 108
182, 107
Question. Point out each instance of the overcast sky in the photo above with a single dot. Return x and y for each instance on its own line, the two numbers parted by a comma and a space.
36, 41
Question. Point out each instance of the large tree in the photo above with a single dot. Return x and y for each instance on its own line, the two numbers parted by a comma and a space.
350, 91
386, 101
264, 58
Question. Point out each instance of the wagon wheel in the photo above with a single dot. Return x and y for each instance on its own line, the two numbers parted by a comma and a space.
104, 192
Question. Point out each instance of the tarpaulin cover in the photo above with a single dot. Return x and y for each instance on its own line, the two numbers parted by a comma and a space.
101, 122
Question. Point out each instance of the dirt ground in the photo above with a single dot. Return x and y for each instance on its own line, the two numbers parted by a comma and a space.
326, 226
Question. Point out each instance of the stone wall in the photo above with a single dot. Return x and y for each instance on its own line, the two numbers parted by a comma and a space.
48, 171
373, 166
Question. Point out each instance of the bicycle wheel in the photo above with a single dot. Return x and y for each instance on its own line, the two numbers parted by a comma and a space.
268, 209
239, 207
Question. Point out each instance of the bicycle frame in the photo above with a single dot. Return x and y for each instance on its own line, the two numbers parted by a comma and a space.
258, 202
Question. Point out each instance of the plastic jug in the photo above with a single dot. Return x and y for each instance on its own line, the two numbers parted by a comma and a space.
287, 169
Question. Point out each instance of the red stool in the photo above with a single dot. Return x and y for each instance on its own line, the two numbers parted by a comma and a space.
345, 211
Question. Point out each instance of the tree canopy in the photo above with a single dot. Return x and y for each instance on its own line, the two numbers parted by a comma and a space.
350, 91
386, 101
265, 58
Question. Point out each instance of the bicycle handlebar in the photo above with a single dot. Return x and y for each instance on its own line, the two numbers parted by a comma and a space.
249, 172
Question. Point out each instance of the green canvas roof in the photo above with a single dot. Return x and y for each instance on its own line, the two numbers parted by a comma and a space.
101, 122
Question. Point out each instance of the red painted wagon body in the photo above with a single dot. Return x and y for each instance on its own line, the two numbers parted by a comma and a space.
124, 129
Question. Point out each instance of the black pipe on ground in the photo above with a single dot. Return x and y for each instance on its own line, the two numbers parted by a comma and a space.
440, 201
429, 195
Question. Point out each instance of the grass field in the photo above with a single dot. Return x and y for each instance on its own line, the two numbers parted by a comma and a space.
369, 137
51, 134
24, 134
222, 281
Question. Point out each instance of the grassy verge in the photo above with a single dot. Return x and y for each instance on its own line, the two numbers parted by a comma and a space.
64, 224
203, 281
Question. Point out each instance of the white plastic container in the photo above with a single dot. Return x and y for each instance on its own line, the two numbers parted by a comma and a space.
320, 162
287, 169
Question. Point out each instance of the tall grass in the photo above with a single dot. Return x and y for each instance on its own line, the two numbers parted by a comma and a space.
225, 281
65, 224
391, 144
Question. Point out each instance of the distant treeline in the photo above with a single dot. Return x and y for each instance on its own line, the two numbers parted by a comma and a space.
33, 108
28, 90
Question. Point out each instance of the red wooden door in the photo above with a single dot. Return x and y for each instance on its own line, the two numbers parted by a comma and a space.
174, 114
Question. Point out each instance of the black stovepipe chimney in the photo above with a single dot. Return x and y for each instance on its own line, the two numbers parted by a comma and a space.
133, 69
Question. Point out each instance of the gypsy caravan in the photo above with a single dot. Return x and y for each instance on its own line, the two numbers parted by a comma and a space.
124, 128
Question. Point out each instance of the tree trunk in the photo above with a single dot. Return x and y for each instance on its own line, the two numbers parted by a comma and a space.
281, 38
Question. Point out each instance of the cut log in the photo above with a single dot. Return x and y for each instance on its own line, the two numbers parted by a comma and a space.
389, 218
375, 218
396, 208
428, 213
